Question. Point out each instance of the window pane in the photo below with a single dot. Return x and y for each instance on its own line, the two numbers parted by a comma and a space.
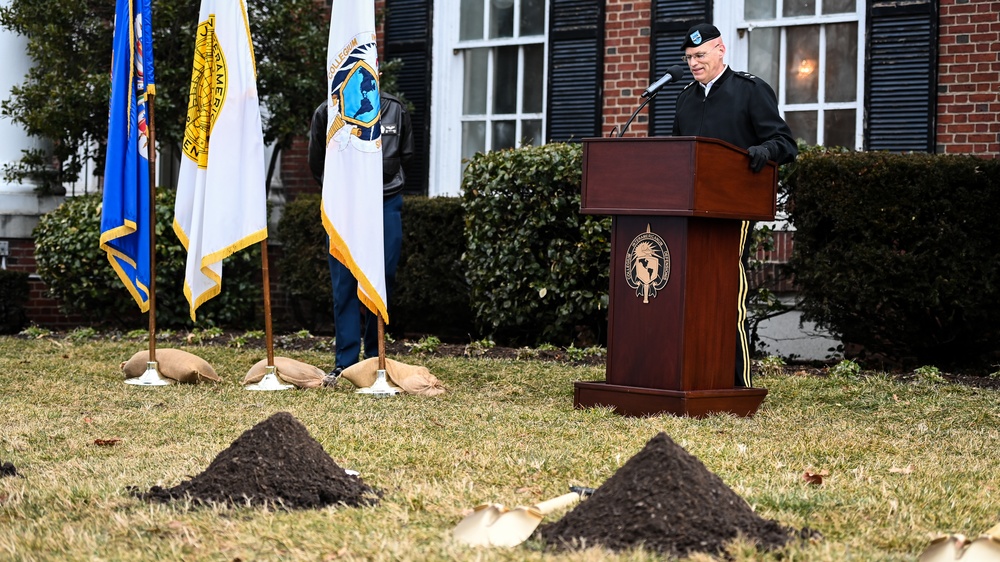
505, 80
471, 20
799, 8
759, 9
532, 17
504, 134
838, 6
764, 52
533, 87
802, 66
474, 94
531, 132
838, 128
473, 138
501, 18
841, 62
802, 124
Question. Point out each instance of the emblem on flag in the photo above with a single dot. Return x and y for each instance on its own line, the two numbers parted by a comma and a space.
354, 98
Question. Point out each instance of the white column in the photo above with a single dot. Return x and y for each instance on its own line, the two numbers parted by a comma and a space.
20, 206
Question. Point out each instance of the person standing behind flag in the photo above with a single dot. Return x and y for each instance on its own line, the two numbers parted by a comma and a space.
351, 321
741, 109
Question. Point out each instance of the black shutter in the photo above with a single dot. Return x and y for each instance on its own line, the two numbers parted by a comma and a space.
671, 20
576, 69
407, 37
901, 71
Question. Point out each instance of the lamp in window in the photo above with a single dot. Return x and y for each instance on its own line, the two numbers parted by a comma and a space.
806, 68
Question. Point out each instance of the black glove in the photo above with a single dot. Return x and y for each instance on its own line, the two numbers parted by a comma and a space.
758, 157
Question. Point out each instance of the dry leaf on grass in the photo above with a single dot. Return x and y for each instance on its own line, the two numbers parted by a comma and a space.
815, 477
106, 442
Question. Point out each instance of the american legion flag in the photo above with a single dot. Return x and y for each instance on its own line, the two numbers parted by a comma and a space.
125, 210
221, 204
352, 178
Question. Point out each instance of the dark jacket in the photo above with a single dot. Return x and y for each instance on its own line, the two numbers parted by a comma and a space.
740, 109
397, 143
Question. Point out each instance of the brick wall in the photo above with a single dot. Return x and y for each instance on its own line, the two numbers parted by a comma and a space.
626, 64
41, 309
770, 273
968, 120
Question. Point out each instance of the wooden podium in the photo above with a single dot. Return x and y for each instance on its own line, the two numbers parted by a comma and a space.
677, 204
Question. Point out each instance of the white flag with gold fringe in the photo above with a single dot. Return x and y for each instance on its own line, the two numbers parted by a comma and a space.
221, 204
352, 179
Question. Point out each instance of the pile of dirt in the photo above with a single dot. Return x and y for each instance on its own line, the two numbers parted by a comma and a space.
664, 499
275, 463
7, 469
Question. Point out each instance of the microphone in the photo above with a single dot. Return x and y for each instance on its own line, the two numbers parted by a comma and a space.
673, 73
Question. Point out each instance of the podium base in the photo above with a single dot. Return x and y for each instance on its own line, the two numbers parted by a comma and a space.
634, 401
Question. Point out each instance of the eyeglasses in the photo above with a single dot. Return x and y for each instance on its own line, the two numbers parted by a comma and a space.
697, 56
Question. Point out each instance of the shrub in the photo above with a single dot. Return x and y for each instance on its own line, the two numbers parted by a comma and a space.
77, 271
431, 294
897, 253
13, 295
537, 268
305, 273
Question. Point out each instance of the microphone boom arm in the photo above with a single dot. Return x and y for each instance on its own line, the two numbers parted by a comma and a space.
636, 112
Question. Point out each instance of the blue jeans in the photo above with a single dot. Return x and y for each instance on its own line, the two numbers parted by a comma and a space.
350, 318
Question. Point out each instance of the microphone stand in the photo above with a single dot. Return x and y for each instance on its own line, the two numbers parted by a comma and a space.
636, 112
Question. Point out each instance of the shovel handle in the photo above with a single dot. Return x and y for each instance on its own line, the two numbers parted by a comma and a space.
548, 506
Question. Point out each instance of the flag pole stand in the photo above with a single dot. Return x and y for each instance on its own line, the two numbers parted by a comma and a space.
270, 380
380, 388
152, 376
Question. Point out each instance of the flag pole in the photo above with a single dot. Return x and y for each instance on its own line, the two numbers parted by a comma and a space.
152, 376
270, 380
381, 342
381, 386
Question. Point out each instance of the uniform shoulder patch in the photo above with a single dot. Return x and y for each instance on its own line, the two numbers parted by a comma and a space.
745, 75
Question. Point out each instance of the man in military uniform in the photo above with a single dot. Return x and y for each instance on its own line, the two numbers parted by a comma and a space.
741, 109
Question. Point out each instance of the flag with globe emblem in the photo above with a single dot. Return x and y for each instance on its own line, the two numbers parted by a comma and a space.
352, 179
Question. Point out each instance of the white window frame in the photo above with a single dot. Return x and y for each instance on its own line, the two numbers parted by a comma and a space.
736, 30
445, 174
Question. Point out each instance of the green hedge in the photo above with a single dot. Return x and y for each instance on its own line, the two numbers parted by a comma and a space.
13, 295
898, 253
303, 269
78, 273
537, 268
431, 295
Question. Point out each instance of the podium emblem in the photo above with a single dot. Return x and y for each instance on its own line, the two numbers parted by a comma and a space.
647, 265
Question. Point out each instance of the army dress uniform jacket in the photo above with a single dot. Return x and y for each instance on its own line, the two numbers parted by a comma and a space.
740, 109
397, 143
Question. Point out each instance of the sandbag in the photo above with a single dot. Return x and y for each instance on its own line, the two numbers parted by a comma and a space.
302, 375
411, 379
173, 364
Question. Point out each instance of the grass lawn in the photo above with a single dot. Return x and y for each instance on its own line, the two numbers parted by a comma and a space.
904, 460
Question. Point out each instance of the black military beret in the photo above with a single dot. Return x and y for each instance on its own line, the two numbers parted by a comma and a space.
699, 34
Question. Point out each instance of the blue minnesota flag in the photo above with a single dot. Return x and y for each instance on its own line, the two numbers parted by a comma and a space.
125, 212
